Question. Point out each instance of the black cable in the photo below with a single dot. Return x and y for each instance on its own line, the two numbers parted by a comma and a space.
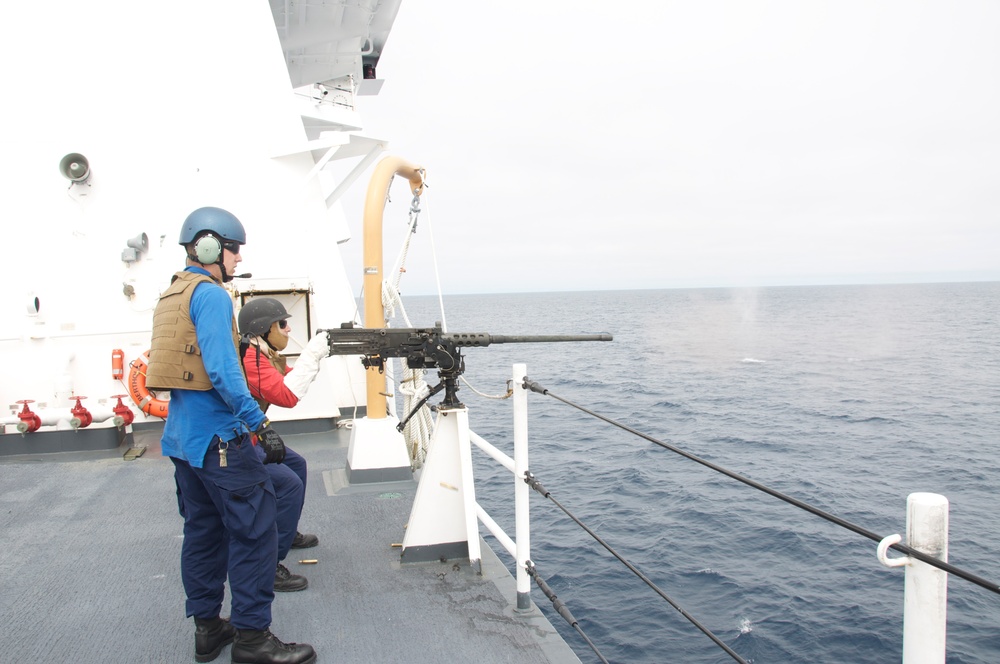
560, 607
537, 486
245, 343
919, 555
259, 393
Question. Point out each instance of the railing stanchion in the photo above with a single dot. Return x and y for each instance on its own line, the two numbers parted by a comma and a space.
522, 529
926, 587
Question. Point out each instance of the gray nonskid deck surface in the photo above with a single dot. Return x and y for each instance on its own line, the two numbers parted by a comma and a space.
90, 572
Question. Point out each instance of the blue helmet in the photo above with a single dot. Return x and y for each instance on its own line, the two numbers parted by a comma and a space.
215, 220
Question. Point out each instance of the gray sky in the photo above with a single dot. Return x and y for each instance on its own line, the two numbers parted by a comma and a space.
577, 146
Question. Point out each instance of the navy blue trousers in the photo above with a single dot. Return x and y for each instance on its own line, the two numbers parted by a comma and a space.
229, 530
289, 480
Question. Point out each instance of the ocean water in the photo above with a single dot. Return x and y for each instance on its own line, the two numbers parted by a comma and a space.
846, 397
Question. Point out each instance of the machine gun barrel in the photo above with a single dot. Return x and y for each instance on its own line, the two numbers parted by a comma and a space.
409, 341
546, 338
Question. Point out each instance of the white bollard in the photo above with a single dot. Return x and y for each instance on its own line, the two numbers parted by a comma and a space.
926, 589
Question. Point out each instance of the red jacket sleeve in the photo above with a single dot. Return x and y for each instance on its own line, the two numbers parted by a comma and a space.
266, 382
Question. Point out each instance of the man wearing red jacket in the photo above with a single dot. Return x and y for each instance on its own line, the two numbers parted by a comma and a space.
264, 329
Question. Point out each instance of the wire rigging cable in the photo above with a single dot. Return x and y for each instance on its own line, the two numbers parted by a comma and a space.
537, 486
560, 607
919, 555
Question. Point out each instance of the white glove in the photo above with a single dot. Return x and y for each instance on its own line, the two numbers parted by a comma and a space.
319, 345
307, 366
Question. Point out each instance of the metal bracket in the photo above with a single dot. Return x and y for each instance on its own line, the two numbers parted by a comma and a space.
883, 550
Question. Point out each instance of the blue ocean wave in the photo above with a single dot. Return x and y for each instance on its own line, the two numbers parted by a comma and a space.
865, 394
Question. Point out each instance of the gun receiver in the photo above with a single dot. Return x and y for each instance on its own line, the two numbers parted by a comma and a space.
428, 348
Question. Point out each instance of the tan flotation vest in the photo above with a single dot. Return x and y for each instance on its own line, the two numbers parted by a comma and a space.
279, 362
174, 356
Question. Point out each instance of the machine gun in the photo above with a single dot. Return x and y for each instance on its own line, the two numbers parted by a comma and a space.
428, 348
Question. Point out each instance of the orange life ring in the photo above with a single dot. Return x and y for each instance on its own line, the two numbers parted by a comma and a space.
142, 397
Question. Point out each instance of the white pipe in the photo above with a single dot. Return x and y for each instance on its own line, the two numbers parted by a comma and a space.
105, 413
926, 590
61, 423
60, 418
492, 451
497, 531
522, 525
63, 418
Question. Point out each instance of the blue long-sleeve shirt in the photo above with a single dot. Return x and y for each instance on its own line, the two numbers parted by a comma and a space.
226, 410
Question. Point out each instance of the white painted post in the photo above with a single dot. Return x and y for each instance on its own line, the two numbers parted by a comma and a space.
522, 528
468, 490
926, 588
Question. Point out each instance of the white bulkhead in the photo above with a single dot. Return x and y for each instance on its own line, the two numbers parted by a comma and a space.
174, 106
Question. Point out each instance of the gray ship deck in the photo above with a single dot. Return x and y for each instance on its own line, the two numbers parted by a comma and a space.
90, 570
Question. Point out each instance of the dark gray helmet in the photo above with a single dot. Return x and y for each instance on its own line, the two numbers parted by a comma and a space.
257, 316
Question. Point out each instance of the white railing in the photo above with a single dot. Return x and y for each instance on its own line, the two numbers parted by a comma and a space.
926, 586
520, 547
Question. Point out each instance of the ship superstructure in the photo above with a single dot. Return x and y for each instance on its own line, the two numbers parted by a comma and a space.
127, 118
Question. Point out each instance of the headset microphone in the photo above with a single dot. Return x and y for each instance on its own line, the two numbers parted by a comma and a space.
245, 275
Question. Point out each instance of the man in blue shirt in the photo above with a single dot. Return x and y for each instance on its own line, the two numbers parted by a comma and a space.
224, 491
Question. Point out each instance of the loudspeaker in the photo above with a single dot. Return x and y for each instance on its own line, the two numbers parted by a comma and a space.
135, 247
140, 243
208, 249
75, 167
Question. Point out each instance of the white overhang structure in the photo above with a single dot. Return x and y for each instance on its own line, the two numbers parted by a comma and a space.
332, 49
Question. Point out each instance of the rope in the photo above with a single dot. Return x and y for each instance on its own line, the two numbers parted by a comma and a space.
919, 555
418, 429
413, 387
560, 607
420, 425
537, 486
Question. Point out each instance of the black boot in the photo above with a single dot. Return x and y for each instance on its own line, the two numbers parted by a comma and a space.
304, 540
286, 582
210, 636
262, 647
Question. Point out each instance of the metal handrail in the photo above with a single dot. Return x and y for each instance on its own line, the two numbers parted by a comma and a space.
519, 547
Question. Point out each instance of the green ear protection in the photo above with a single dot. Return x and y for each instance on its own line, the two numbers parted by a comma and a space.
208, 249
